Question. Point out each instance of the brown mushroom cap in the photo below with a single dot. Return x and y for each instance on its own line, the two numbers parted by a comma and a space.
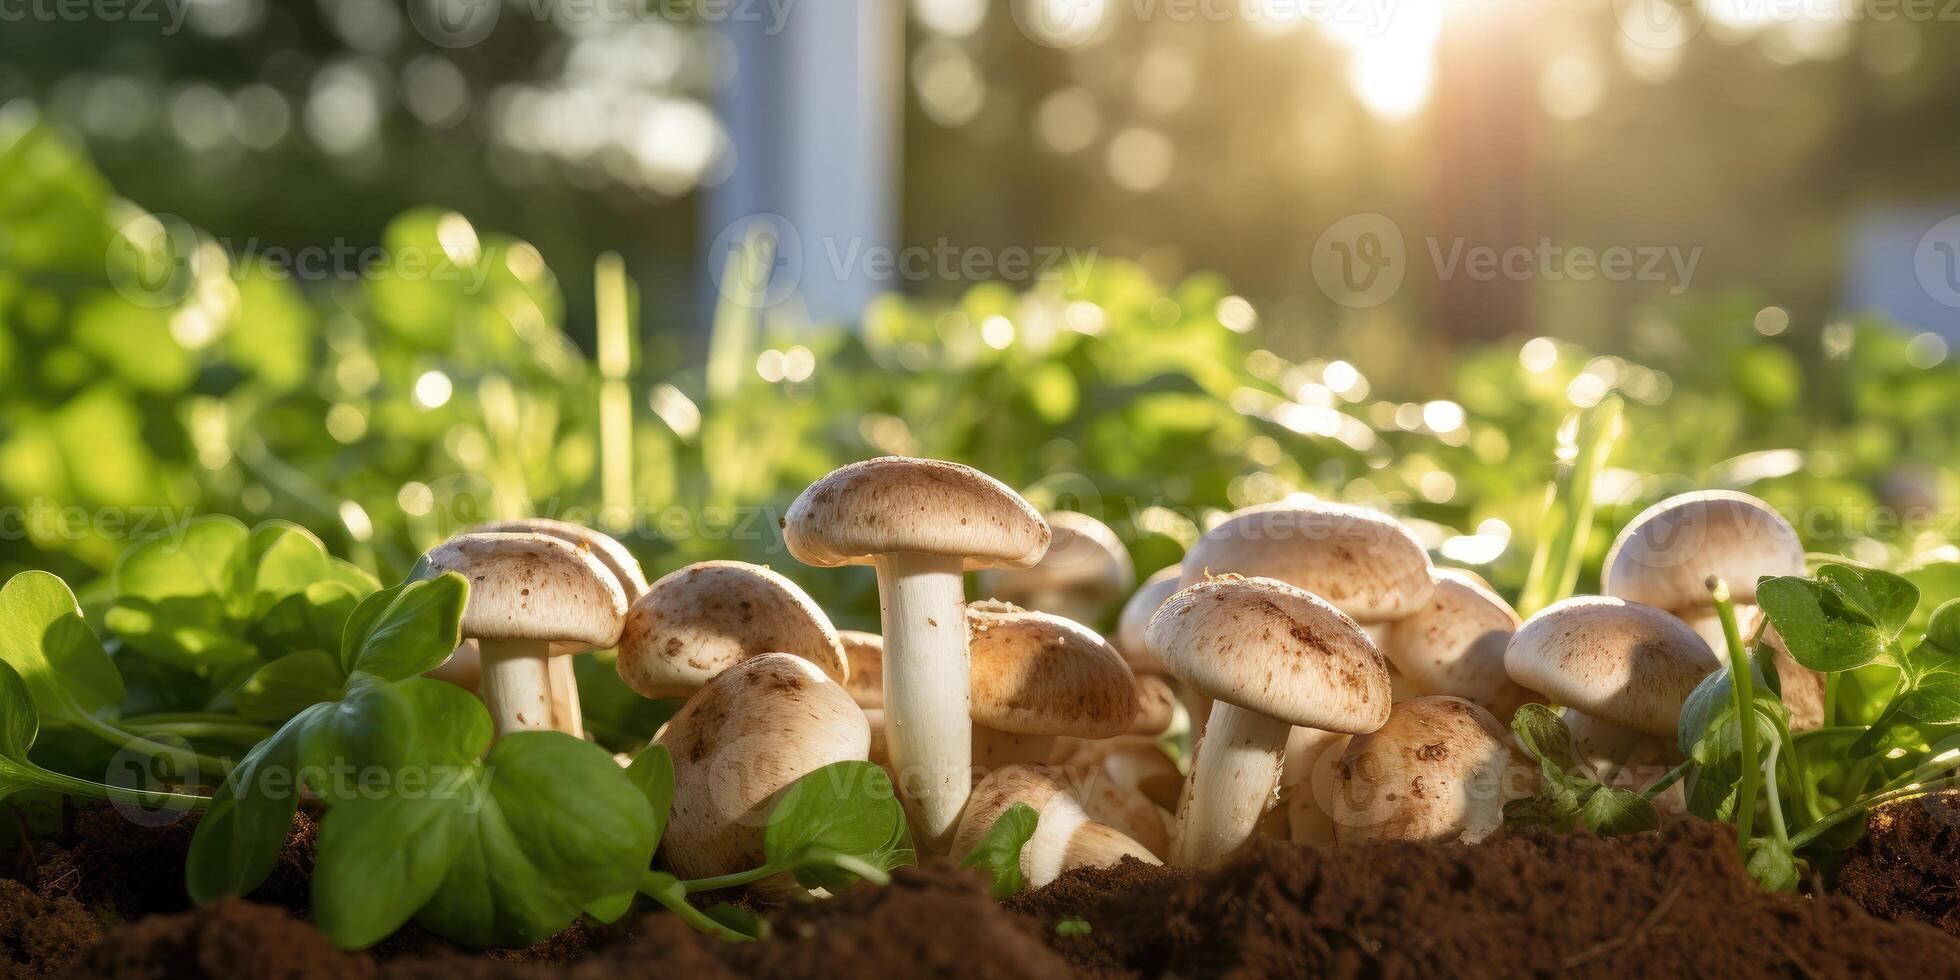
864, 653
532, 587
1085, 568
1434, 772
1037, 674
1273, 649
1623, 662
1135, 619
1156, 706
1663, 558
699, 620
754, 729
1366, 563
899, 505
605, 547
1455, 644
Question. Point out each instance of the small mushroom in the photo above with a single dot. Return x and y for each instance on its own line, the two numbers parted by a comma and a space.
464, 668
1437, 771
1454, 645
700, 620
1624, 665
1306, 785
1271, 656
920, 523
1156, 706
1131, 761
750, 732
1085, 572
532, 598
1135, 619
1037, 676
1664, 557
1363, 562
1065, 837
864, 655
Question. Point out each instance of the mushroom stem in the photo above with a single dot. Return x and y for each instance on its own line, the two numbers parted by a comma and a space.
1232, 780
517, 684
922, 599
566, 715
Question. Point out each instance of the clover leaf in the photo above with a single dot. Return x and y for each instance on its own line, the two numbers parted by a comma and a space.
999, 851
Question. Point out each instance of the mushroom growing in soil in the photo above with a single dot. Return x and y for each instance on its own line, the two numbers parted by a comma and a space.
1132, 622
532, 598
864, 655
1437, 771
1666, 554
1622, 671
700, 620
1270, 656
920, 523
749, 733
1085, 572
1037, 676
1065, 837
1363, 562
1130, 761
1454, 645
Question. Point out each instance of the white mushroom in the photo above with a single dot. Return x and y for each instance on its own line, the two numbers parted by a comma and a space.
1065, 836
1084, 573
700, 620
1437, 771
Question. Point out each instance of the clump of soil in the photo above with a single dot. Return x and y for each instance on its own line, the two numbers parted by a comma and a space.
1908, 864
42, 937
1671, 903
231, 938
128, 869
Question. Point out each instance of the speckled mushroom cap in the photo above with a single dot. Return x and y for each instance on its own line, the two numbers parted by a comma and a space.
754, 729
864, 653
1434, 772
1274, 649
1365, 562
605, 547
1037, 674
1455, 645
532, 587
899, 505
1623, 662
1135, 619
1085, 565
698, 621
1663, 558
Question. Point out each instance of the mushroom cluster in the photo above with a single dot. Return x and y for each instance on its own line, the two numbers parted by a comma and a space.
1337, 685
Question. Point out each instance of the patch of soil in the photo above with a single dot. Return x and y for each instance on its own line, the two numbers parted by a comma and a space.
125, 869
42, 937
1908, 864
231, 938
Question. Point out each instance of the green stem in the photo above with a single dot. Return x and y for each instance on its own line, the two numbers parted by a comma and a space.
661, 888
1673, 776
196, 761
233, 731
1836, 817
1775, 802
735, 880
1742, 685
1800, 774
1830, 697
72, 786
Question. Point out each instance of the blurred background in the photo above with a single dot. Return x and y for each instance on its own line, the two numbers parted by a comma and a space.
383, 269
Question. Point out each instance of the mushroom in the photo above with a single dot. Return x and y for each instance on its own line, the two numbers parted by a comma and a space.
532, 598
1436, 772
1131, 761
1363, 562
1626, 666
864, 656
920, 523
1085, 571
700, 620
1065, 837
1306, 786
1454, 645
1156, 706
1666, 554
1135, 619
464, 668
1036, 676
1271, 656
750, 732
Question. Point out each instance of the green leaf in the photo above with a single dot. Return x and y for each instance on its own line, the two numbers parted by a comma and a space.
1772, 863
407, 630
194, 560
1887, 599
1544, 736
289, 685
843, 810
999, 852
60, 659
1610, 812
1930, 689
653, 772
1944, 627
1820, 627
1712, 704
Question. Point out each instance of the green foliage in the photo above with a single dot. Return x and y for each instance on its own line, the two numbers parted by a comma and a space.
999, 851
838, 824
1569, 795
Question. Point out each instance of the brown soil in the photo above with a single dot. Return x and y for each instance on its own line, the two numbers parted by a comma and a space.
1670, 903
1908, 864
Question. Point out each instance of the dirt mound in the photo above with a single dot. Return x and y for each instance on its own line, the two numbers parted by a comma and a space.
1671, 903
1908, 864
105, 861
231, 938
42, 937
